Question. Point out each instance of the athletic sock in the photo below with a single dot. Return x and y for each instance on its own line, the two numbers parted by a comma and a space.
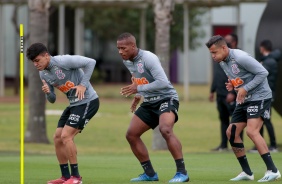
180, 166
245, 165
74, 170
148, 168
65, 170
269, 162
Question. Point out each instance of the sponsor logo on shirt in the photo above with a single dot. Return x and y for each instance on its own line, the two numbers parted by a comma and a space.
237, 82
141, 81
66, 87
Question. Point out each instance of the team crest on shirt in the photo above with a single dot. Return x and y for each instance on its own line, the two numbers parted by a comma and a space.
235, 69
140, 68
60, 74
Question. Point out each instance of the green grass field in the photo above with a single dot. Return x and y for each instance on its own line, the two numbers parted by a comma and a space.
104, 154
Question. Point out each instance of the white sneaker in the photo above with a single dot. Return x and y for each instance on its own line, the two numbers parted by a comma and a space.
270, 176
243, 176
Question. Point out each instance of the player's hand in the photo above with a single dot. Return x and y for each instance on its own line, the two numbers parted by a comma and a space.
135, 102
45, 87
230, 98
241, 94
229, 85
211, 97
80, 90
130, 89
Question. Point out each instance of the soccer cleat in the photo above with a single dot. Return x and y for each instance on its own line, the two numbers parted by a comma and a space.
270, 176
145, 177
243, 176
74, 180
58, 181
179, 178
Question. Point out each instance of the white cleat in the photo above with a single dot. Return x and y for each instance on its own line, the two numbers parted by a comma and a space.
270, 176
243, 176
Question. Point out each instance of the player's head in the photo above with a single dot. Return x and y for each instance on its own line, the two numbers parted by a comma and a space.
265, 47
231, 40
39, 55
218, 48
126, 45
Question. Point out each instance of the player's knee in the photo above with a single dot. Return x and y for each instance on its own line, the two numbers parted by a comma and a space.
65, 138
251, 133
165, 131
130, 136
228, 133
57, 138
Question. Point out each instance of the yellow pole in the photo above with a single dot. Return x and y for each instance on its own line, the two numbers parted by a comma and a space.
22, 102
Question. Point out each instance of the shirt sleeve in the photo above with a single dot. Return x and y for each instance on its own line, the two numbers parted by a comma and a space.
157, 72
252, 65
76, 62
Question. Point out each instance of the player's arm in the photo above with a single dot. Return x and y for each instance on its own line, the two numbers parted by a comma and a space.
154, 66
49, 91
253, 66
77, 62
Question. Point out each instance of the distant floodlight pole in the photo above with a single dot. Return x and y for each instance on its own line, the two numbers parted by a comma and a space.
186, 50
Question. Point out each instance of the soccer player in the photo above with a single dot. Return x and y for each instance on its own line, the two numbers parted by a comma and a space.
159, 107
249, 79
225, 100
71, 75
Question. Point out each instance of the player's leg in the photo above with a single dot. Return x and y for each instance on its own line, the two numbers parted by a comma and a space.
238, 123
255, 122
78, 119
60, 150
224, 122
271, 133
168, 116
233, 133
133, 135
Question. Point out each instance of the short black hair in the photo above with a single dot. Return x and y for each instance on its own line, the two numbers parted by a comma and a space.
124, 36
36, 49
217, 39
266, 44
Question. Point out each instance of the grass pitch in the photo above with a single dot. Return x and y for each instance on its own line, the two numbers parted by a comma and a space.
105, 156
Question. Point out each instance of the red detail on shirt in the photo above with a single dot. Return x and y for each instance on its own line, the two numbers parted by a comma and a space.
66, 87
141, 81
237, 82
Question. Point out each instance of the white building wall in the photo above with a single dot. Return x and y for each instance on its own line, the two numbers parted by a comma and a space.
200, 63
12, 38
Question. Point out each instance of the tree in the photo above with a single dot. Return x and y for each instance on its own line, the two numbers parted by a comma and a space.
163, 18
38, 26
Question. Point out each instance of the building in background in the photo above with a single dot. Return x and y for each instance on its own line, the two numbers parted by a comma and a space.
73, 38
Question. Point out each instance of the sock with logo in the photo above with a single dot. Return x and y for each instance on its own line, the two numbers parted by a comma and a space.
65, 170
269, 162
245, 165
148, 168
74, 170
180, 166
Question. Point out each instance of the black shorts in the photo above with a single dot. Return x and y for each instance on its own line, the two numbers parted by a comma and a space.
252, 109
78, 116
150, 113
